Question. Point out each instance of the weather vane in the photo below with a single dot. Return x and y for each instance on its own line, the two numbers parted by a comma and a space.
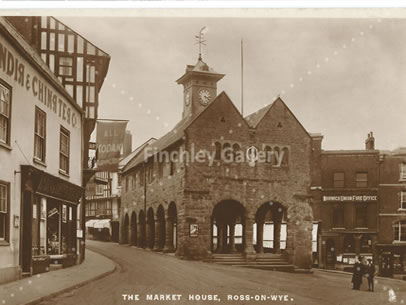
200, 40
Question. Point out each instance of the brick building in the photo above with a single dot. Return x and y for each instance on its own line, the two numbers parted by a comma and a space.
391, 244
347, 205
199, 204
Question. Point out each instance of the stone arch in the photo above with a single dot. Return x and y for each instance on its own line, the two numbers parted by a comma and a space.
160, 229
270, 228
150, 229
133, 230
171, 237
141, 238
124, 229
225, 217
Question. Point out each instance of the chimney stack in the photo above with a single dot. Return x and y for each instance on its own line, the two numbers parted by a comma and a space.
370, 142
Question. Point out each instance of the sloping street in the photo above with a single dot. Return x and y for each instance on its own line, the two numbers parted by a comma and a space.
143, 274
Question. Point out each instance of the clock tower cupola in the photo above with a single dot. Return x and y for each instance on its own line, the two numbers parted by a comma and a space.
199, 84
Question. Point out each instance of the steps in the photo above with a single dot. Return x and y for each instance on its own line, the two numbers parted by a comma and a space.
273, 262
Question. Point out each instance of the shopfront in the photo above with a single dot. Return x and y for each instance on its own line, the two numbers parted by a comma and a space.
49, 216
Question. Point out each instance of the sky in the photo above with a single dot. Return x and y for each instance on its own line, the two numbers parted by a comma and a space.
341, 77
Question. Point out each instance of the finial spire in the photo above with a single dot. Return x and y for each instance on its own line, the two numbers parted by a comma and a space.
201, 41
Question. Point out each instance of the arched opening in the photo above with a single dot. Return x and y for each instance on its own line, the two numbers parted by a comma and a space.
133, 233
270, 228
141, 238
125, 228
171, 232
227, 223
160, 229
150, 229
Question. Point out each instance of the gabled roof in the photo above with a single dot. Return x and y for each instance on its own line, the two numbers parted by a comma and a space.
134, 153
254, 118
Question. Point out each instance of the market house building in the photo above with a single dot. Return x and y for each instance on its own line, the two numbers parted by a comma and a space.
41, 158
200, 209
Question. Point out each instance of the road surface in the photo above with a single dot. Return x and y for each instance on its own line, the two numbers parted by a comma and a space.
146, 277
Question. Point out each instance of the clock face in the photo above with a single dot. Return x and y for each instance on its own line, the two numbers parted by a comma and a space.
187, 99
204, 95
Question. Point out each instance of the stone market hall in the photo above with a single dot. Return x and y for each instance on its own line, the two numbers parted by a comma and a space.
202, 209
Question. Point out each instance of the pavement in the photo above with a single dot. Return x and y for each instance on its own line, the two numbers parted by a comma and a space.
35, 289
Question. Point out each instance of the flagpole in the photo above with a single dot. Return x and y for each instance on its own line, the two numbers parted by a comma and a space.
242, 78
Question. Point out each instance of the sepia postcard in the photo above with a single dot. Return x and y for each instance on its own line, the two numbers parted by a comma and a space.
202, 155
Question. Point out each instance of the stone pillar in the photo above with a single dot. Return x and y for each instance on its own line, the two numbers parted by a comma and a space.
260, 237
147, 235
277, 236
248, 234
157, 231
139, 235
169, 235
225, 233
219, 237
232, 238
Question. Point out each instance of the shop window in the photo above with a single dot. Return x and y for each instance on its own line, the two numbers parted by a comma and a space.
403, 200
5, 113
53, 227
399, 231
64, 150
40, 135
361, 216
338, 216
349, 244
403, 171
361, 180
366, 244
338, 180
4, 211
42, 225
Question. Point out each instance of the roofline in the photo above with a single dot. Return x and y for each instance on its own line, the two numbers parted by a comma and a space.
187, 74
350, 152
273, 103
18, 41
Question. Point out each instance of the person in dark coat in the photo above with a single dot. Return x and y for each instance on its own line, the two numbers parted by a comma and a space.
371, 274
357, 273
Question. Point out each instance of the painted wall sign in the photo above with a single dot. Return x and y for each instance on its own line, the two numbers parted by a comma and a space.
356, 198
10, 65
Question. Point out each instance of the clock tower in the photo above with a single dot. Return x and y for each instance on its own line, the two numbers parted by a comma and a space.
199, 87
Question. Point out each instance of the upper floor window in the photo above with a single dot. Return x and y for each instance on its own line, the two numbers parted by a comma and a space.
361, 180
403, 200
338, 180
64, 150
5, 113
39, 135
403, 171
4, 211
134, 181
99, 189
361, 216
65, 66
399, 231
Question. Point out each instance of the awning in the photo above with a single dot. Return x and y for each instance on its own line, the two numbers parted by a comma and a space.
90, 223
102, 223
98, 223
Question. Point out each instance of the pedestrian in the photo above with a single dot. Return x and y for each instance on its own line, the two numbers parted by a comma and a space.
357, 273
370, 274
